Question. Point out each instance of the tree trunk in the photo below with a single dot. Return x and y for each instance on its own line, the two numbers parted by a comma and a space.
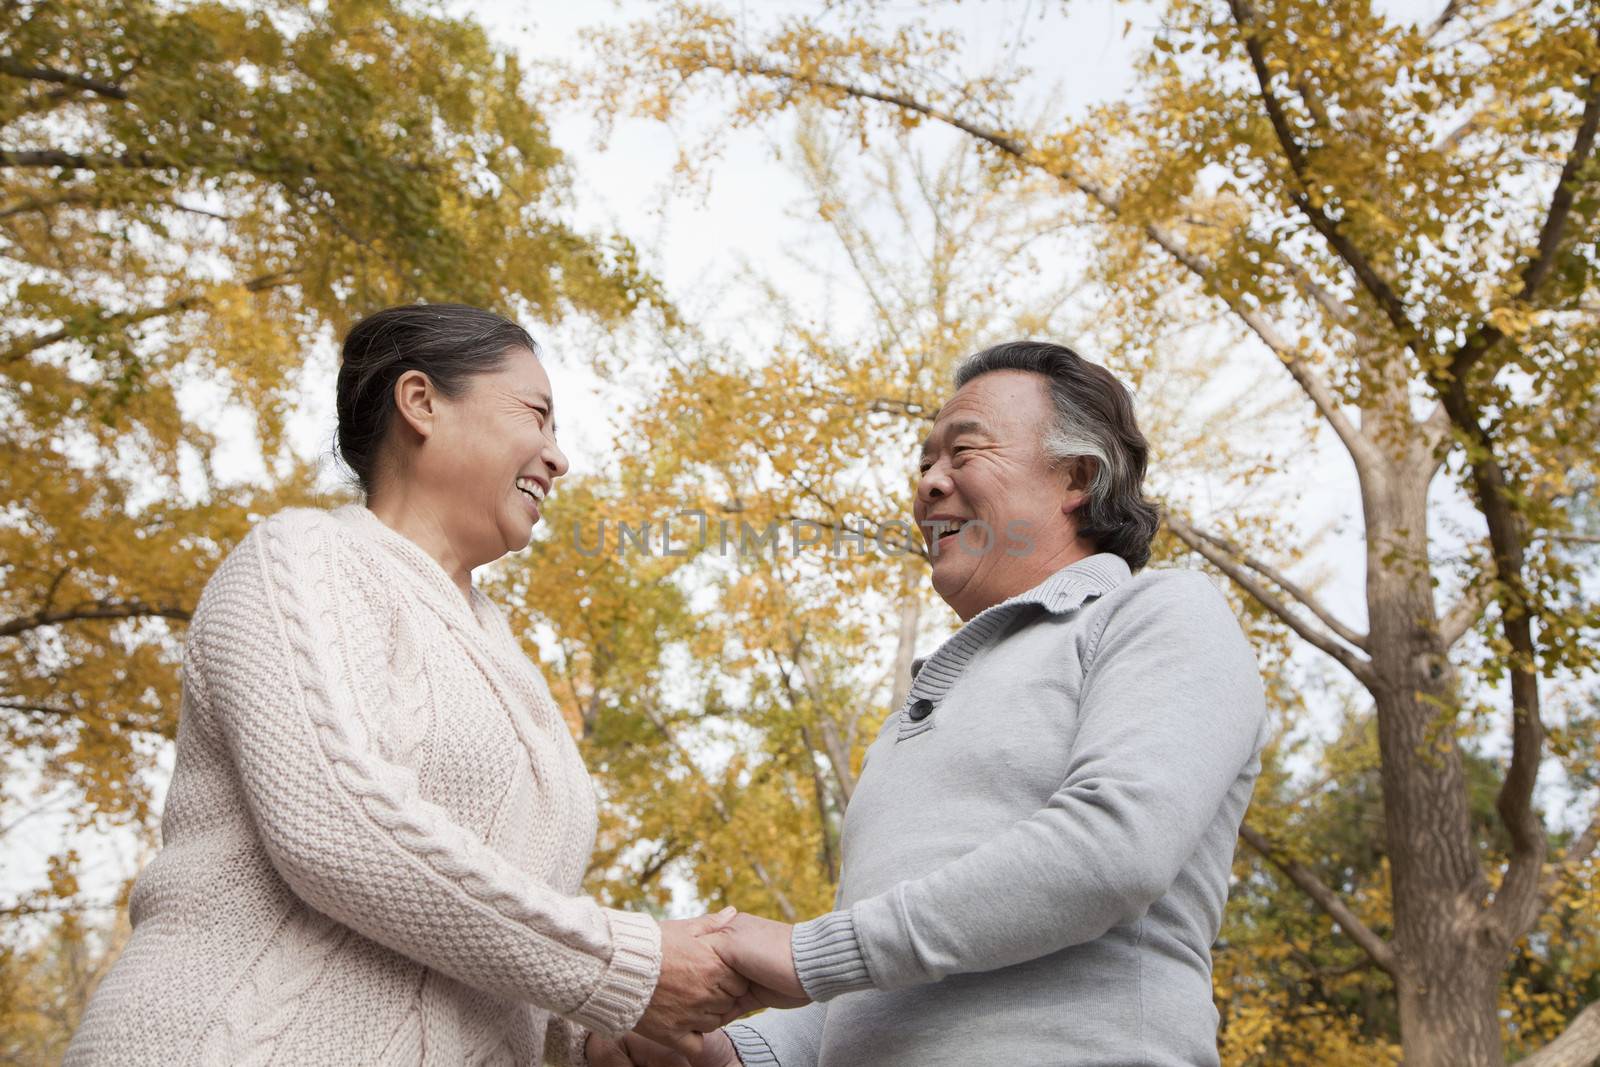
1449, 971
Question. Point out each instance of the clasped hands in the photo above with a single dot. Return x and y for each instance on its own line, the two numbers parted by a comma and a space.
713, 970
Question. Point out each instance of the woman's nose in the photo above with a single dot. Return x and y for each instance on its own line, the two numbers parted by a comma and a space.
555, 460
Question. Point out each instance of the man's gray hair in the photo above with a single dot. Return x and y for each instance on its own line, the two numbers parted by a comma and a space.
1094, 419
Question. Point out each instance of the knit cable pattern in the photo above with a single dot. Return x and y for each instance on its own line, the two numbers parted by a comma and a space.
374, 839
389, 796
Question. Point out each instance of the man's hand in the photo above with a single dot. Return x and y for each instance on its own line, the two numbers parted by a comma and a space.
697, 992
636, 1051
760, 950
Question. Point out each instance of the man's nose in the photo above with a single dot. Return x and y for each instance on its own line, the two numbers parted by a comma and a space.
934, 484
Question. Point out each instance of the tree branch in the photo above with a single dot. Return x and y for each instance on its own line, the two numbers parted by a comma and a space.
1240, 572
1464, 614
1451, 10
1551, 234
49, 157
1361, 449
124, 319
1577, 854
17, 69
1306, 600
1578, 1045
1337, 309
130, 609
779, 897
45, 203
1377, 949
1388, 300
1517, 903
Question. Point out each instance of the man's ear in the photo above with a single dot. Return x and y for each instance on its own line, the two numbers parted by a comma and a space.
415, 401
1080, 472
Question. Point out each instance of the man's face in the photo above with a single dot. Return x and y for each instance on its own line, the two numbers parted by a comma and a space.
995, 513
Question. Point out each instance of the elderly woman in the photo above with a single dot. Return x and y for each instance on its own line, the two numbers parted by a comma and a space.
1036, 856
378, 820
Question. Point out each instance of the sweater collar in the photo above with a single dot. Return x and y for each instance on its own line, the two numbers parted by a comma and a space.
1068, 588
437, 586
1064, 591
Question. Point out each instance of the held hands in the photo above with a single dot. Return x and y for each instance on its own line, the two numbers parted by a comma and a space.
696, 991
635, 1051
759, 949
713, 970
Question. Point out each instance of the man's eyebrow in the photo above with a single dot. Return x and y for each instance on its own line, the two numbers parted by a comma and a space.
956, 429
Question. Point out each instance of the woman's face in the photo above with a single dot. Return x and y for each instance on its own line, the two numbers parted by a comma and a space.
492, 457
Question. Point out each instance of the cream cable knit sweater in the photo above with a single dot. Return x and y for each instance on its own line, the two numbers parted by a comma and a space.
375, 832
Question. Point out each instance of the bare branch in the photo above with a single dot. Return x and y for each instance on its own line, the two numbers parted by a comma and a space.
834, 746
1336, 308
1240, 572
1362, 451
1465, 613
1451, 10
131, 609
1377, 949
49, 157
1452, 140
1304, 597
1576, 1047
17, 69
45, 203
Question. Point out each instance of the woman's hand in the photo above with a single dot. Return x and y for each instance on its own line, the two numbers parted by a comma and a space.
696, 992
636, 1051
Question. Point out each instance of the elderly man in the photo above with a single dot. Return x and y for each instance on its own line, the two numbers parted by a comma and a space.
1037, 853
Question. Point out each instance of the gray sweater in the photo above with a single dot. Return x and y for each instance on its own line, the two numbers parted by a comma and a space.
1037, 855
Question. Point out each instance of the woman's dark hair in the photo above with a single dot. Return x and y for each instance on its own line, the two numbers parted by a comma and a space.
1094, 418
450, 343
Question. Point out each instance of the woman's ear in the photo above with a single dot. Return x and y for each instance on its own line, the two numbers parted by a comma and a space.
415, 401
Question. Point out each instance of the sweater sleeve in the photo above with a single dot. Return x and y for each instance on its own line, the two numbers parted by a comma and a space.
348, 831
1170, 715
780, 1038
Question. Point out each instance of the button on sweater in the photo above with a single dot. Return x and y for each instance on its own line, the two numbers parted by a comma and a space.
1037, 852
375, 832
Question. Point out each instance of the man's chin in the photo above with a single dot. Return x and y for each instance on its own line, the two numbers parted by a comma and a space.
950, 578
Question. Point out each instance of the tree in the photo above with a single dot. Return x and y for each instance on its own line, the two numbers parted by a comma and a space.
45, 987
193, 198
1402, 217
